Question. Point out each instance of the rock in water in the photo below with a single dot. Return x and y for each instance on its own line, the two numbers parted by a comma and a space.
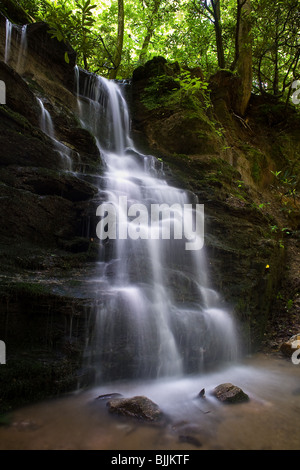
139, 407
229, 393
291, 345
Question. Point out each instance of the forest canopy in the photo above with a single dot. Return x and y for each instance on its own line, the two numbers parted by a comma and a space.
257, 39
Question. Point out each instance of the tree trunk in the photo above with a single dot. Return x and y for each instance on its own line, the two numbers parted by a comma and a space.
244, 61
145, 46
120, 39
276, 48
150, 31
218, 31
237, 32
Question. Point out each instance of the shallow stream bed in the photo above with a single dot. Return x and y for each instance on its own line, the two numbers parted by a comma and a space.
270, 420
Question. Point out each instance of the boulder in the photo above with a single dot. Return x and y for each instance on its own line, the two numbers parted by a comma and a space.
290, 346
139, 407
154, 68
229, 393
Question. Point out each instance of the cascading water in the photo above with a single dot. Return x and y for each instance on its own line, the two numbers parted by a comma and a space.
47, 127
8, 33
156, 314
22, 49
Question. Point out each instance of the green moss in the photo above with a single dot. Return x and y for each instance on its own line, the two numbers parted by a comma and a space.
18, 118
159, 92
23, 289
258, 162
168, 92
256, 172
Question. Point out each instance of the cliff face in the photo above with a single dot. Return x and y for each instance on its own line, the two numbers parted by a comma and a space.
46, 243
48, 246
229, 162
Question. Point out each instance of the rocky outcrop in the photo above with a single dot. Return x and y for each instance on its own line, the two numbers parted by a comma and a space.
227, 162
46, 238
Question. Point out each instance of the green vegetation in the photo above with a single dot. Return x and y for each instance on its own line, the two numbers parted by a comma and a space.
256, 38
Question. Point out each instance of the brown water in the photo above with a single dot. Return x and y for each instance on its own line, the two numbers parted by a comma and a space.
269, 421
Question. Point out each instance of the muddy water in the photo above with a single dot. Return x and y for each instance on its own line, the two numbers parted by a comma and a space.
269, 421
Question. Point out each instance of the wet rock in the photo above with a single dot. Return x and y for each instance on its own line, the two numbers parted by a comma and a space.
48, 182
19, 97
291, 345
139, 407
190, 440
229, 393
25, 145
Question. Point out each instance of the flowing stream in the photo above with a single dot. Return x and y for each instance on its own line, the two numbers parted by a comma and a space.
269, 421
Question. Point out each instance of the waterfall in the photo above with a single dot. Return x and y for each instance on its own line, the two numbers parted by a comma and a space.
46, 125
22, 49
156, 313
8, 33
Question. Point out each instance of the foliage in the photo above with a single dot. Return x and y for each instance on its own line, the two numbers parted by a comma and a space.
183, 31
72, 21
276, 45
286, 184
184, 90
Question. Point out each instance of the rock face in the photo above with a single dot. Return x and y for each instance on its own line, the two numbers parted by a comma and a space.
229, 393
138, 407
227, 162
45, 238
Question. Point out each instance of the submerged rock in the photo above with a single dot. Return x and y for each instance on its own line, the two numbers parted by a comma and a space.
229, 393
139, 407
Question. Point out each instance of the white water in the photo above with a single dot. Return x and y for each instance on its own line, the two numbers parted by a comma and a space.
157, 315
46, 125
22, 49
8, 33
